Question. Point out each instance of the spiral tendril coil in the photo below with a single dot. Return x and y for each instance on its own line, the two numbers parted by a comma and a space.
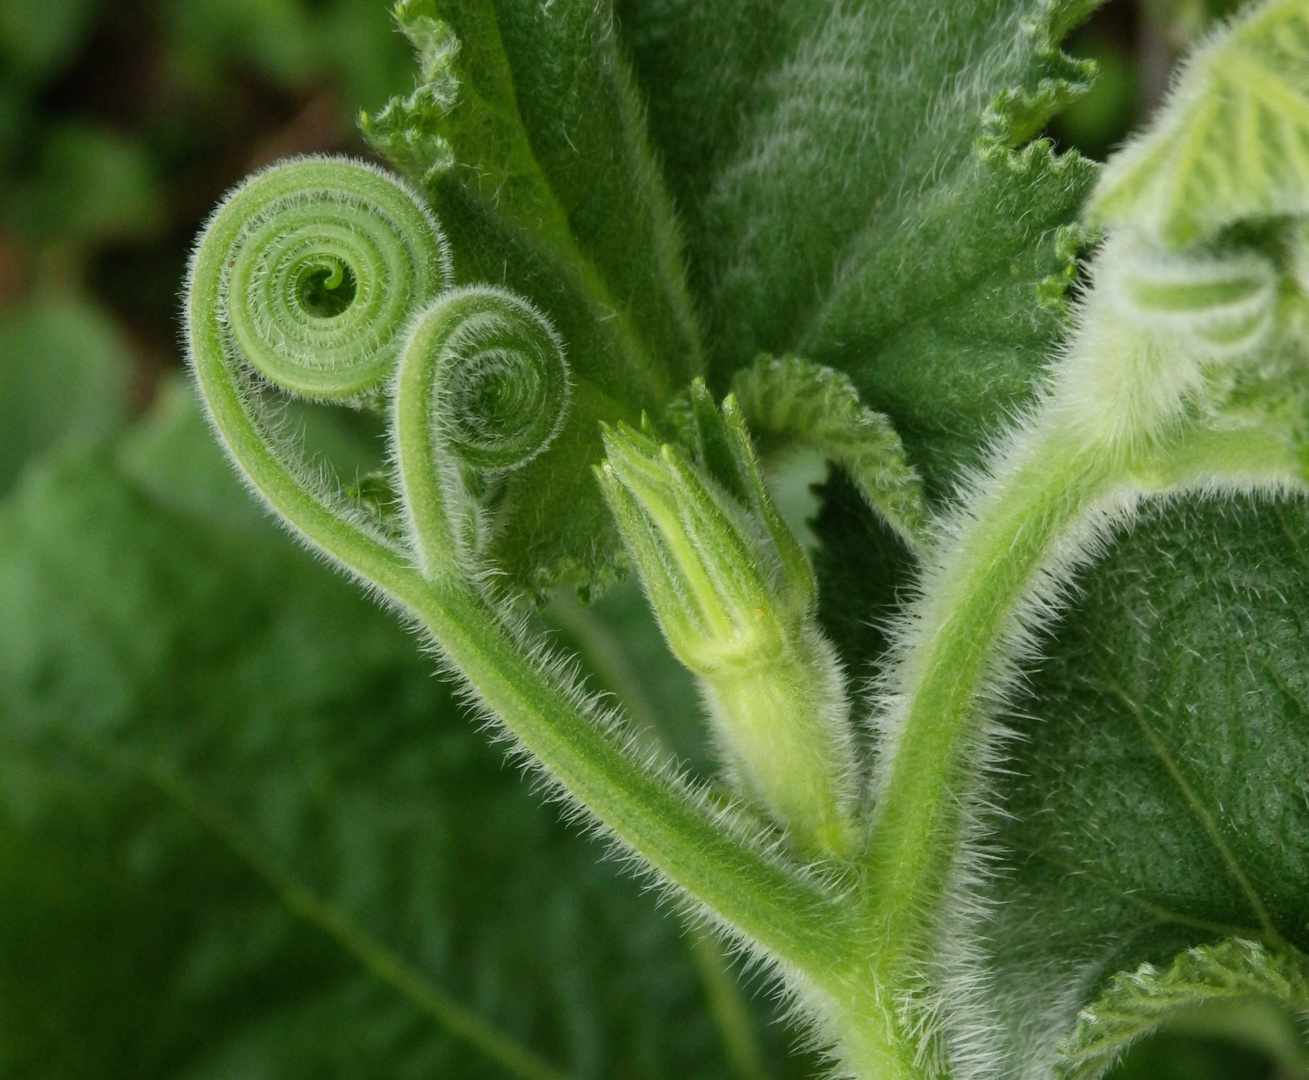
501, 381
329, 279
323, 263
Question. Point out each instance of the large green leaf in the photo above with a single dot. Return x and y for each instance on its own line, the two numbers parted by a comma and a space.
527, 136
1158, 798
848, 196
244, 831
844, 181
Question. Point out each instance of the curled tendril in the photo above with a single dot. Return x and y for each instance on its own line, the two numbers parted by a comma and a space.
319, 263
483, 384
328, 279
502, 383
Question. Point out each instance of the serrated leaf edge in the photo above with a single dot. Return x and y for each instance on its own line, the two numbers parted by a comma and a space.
1137, 1003
1017, 113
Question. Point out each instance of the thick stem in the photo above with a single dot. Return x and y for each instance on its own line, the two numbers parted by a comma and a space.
1008, 545
792, 714
1011, 542
1114, 398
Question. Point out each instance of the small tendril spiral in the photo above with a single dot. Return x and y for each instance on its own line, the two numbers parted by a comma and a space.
329, 279
320, 264
500, 379
483, 387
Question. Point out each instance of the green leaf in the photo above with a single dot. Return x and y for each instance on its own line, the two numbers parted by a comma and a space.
1232, 143
527, 136
859, 207
296, 46
92, 185
1137, 1004
36, 36
64, 373
791, 402
1158, 796
243, 831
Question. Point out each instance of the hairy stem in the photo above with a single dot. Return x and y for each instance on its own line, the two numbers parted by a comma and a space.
501, 343
680, 837
971, 619
1125, 415
792, 920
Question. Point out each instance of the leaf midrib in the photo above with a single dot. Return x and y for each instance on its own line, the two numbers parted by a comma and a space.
593, 284
1202, 813
303, 903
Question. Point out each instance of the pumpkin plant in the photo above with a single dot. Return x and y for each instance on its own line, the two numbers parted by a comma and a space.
873, 258
1008, 768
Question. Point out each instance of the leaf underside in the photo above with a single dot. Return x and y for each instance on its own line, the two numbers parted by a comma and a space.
1233, 142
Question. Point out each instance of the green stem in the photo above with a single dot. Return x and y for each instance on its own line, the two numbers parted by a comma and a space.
955, 655
791, 918
613, 667
1263, 457
975, 594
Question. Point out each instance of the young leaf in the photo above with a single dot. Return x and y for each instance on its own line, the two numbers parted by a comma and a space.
791, 402
1231, 144
1137, 1003
526, 134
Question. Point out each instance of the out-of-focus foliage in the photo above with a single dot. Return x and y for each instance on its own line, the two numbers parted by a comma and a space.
120, 124
64, 371
233, 799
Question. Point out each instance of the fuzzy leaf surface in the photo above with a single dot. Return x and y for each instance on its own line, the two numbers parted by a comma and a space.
1158, 796
198, 720
848, 193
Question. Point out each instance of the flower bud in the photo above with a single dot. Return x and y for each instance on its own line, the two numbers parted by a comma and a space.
734, 594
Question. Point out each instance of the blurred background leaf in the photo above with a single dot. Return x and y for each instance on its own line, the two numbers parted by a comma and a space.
241, 821
64, 373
